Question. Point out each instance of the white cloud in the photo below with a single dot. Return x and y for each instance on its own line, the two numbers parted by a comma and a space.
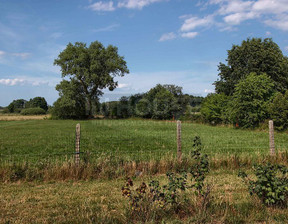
235, 7
268, 33
208, 91
286, 48
271, 6
102, 6
21, 55
272, 12
12, 82
56, 35
123, 85
107, 28
237, 18
167, 36
279, 23
136, 4
195, 22
2, 53
189, 35
129, 4
24, 80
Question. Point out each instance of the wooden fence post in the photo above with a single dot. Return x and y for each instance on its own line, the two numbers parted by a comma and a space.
179, 150
77, 145
271, 138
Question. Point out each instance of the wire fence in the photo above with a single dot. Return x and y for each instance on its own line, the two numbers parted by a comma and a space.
35, 141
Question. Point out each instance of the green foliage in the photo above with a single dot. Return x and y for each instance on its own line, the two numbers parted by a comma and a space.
71, 103
37, 102
271, 185
213, 108
160, 102
5, 110
168, 197
253, 55
33, 111
200, 168
123, 108
93, 67
249, 104
16, 106
143, 108
279, 111
164, 105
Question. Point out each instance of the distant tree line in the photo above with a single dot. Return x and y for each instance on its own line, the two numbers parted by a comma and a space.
36, 105
160, 102
252, 87
90, 69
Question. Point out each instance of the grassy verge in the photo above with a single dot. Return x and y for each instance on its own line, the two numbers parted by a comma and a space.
111, 167
101, 201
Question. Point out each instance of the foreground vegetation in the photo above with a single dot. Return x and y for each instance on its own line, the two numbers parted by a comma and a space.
101, 201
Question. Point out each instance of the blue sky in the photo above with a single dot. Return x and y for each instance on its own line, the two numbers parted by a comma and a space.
163, 41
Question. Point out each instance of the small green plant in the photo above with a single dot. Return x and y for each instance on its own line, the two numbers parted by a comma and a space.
271, 185
200, 168
147, 199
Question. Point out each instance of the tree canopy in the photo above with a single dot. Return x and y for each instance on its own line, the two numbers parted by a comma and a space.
250, 102
16, 105
71, 103
160, 102
37, 102
253, 55
93, 67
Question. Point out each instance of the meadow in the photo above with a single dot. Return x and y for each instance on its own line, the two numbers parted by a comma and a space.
47, 182
132, 139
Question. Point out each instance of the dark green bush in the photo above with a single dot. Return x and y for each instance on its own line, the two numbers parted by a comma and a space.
279, 111
33, 111
213, 108
271, 184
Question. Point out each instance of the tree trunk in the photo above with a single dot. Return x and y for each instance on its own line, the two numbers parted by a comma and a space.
90, 115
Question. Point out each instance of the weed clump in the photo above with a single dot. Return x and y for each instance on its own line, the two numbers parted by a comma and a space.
271, 184
154, 201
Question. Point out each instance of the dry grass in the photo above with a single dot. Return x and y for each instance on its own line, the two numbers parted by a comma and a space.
101, 201
13, 117
109, 167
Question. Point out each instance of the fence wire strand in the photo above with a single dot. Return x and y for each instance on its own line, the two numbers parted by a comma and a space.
132, 139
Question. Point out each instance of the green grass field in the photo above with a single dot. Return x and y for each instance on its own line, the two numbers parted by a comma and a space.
134, 139
91, 193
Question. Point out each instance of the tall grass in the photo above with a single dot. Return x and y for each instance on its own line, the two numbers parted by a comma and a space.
102, 202
113, 167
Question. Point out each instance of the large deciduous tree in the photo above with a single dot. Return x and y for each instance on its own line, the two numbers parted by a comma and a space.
93, 67
253, 55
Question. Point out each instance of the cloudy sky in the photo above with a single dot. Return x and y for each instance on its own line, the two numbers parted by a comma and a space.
163, 41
